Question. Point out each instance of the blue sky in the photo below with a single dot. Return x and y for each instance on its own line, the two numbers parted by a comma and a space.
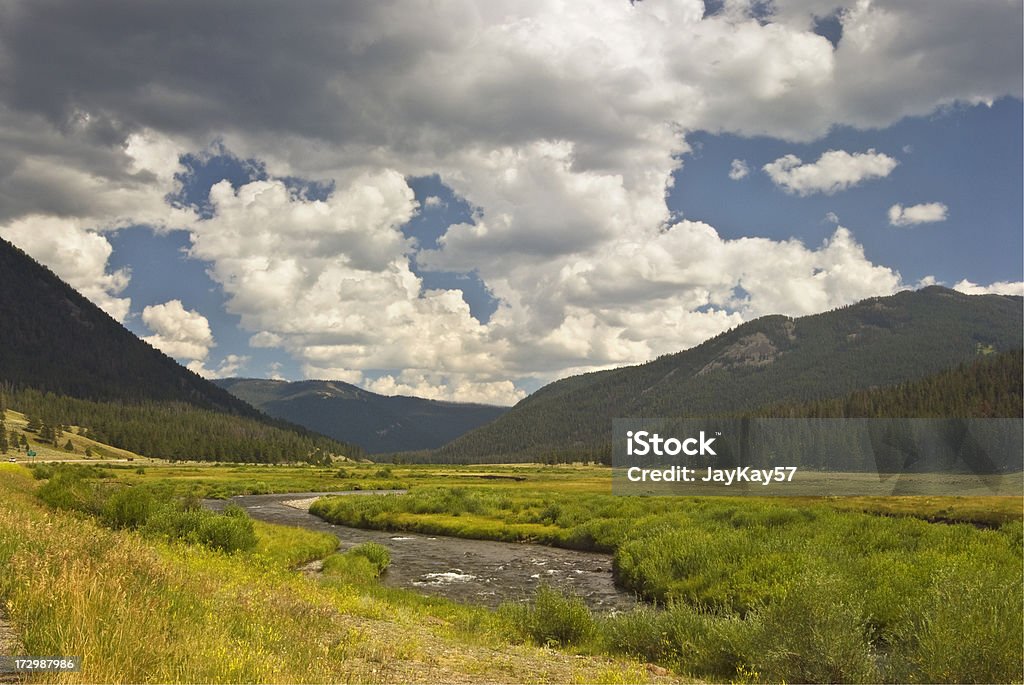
466, 202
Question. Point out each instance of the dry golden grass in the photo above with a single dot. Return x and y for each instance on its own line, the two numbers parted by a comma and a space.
140, 611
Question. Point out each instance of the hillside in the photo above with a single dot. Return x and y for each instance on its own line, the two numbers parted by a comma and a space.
56, 340
66, 361
989, 387
772, 360
351, 414
82, 447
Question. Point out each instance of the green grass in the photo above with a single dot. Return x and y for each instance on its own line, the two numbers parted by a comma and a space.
139, 609
290, 547
796, 591
755, 589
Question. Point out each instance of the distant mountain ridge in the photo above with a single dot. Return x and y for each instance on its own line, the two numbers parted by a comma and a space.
772, 360
376, 422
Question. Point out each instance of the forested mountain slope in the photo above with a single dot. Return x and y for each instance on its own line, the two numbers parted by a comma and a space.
52, 338
772, 360
66, 361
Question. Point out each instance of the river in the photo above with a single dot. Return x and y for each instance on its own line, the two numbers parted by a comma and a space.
474, 571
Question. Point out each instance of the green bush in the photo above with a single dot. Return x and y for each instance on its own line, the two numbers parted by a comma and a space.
230, 531
226, 533
360, 565
174, 522
687, 639
970, 629
817, 633
553, 619
378, 555
67, 489
42, 471
128, 507
351, 569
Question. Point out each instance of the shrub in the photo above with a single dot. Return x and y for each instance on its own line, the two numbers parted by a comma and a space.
378, 555
128, 508
67, 489
350, 569
816, 634
229, 532
688, 639
554, 619
970, 630
226, 533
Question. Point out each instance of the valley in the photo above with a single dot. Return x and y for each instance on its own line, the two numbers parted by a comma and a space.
163, 529
713, 573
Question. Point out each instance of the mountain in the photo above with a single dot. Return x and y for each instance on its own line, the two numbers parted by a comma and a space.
772, 360
54, 339
346, 412
989, 387
66, 361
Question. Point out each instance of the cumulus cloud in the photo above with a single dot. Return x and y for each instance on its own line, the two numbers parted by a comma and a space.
433, 201
738, 169
917, 214
228, 368
997, 288
835, 170
560, 123
63, 187
330, 281
451, 388
77, 254
178, 332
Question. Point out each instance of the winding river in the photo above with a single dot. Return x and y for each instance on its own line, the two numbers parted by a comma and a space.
474, 571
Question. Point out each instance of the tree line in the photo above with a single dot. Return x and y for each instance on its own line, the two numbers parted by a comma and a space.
172, 430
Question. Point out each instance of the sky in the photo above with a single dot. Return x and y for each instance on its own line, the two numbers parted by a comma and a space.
465, 201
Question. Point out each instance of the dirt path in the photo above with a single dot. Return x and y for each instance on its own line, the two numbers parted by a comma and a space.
10, 645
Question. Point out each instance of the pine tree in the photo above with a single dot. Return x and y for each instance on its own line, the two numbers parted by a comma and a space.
68, 447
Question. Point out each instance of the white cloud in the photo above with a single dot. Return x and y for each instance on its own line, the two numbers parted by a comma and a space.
835, 170
559, 123
75, 253
738, 169
228, 367
450, 388
997, 288
331, 283
266, 339
178, 332
917, 214
433, 202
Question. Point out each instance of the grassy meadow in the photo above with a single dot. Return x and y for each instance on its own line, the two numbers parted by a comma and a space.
141, 607
114, 562
806, 590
